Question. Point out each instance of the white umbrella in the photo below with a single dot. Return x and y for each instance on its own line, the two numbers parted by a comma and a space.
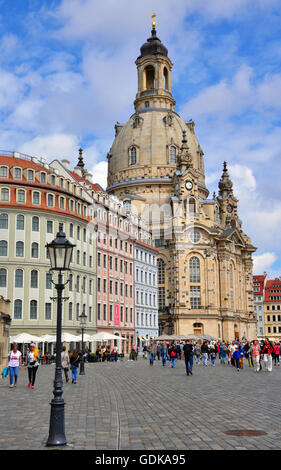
47, 339
102, 336
69, 338
25, 338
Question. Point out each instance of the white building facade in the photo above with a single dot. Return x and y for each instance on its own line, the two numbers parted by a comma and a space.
146, 294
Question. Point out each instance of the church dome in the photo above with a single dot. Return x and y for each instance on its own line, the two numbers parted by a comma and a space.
153, 46
156, 135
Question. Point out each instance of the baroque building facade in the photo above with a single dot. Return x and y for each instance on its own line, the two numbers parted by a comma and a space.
156, 165
35, 198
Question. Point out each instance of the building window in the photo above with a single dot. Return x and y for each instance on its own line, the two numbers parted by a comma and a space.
43, 177
34, 250
20, 195
133, 155
161, 298
71, 230
33, 310
49, 226
20, 249
3, 172
195, 297
173, 154
3, 248
34, 279
35, 197
48, 281
194, 236
62, 203
35, 224
4, 194
161, 271
3, 277
70, 311
19, 278
194, 269
30, 175
18, 309
20, 222
48, 311
50, 200
4, 219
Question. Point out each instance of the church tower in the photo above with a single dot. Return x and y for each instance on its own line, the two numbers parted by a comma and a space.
156, 165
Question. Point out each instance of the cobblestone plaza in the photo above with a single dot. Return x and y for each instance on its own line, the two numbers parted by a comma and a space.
130, 405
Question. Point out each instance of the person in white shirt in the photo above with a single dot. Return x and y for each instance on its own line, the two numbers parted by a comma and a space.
14, 363
32, 364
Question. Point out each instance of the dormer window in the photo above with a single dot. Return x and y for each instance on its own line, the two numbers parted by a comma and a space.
53, 180
43, 177
30, 175
3, 172
17, 173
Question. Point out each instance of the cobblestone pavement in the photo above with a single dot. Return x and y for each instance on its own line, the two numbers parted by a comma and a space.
131, 405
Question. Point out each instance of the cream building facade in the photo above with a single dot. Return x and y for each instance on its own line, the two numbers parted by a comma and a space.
156, 165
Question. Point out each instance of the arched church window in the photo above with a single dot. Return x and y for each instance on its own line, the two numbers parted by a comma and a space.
173, 154
133, 155
161, 271
166, 84
191, 206
231, 276
146, 104
150, 77
194, 269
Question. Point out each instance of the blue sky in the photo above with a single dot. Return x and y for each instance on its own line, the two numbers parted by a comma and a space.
67, 74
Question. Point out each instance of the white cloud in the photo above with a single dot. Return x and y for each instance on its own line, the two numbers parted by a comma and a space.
52, 146
263, 263
99, 172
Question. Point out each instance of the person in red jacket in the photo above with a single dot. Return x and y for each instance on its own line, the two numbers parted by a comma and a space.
276, 350
266, 354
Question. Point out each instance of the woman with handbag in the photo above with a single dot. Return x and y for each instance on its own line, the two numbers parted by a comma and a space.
74, 361
65, 363
32, 363
14, 363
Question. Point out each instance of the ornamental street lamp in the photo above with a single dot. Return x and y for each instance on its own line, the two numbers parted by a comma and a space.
83, 319
60, 252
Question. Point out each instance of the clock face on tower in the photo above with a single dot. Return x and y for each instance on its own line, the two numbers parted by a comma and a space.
189, 185
229, 208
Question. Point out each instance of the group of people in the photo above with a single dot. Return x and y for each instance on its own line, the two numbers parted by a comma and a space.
233, 353
105, 353
31, 362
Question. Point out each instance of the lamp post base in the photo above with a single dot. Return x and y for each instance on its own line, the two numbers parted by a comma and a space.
57, 428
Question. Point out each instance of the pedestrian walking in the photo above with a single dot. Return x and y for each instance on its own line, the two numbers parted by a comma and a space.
238, 353
179, 351
173, 355
14, 363
164, 353
187, 350
254, 352
74, 361
205, 352
65, 363
213, 355
266, 354
276, 351
197, 351
152, 353
32, 364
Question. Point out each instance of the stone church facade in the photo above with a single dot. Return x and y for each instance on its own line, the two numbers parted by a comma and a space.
156, 165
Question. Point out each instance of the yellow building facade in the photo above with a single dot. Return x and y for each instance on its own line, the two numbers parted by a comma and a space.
156, 165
